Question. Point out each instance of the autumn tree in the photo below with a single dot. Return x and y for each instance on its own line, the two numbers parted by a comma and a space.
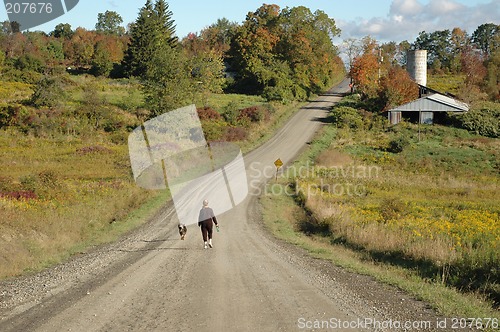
306, 46
397, 88
459, 41
205, 62
79, 50
253, 48
284, 54
101, 63
218, 36
365, 70
472, 65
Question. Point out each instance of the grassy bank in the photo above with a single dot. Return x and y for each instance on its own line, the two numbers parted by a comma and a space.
422, 202
59, 197
285, 219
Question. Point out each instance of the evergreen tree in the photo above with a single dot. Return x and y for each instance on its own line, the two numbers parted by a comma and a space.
153, 28
165, 23
139, 50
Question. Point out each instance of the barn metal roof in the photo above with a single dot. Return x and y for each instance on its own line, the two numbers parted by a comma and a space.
433, 103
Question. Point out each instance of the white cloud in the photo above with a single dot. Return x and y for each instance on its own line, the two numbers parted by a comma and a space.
405, 7
444, 7
407, 18
398, 18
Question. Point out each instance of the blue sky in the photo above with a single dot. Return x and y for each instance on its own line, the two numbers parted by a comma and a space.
384, 20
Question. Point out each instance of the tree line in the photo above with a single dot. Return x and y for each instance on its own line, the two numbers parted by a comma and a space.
283, 54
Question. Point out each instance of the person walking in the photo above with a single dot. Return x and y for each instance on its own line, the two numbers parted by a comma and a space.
206, 220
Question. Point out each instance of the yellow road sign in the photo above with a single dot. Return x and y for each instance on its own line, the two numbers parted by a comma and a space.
278, 163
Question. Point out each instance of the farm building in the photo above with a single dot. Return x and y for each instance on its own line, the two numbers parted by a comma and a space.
432, 105
427, 109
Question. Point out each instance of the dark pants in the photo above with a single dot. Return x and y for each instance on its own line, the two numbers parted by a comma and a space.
206, 229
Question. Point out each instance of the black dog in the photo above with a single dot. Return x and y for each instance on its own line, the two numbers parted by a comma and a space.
182, 231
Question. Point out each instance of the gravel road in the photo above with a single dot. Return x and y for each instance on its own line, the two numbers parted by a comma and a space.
150, 280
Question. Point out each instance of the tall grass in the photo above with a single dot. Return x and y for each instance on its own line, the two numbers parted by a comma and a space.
56, 196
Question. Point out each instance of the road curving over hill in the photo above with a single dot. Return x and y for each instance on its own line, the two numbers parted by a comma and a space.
151, 281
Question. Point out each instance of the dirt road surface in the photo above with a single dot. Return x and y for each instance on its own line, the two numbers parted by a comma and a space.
150, 280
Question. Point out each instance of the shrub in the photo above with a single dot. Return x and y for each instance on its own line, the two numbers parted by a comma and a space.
92, 149
235, 134
276, 93
48, 92
484, 121
208, 113
231, 113
19, 195
393, 209
213, 130
48, 178
254, 114
7, 114
344, 116
29, 62
398, 144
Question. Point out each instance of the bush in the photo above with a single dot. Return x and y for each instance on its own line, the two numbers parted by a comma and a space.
19, 195
235, 134
398, 144
484, 121
48, 92
7, 114
393, 209
276, 93
213, 130
29, 62
254, 114
231, 113
344, 116
207, 114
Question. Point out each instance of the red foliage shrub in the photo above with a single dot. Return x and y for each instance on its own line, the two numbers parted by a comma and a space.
235, 134
208, 113
19, 195
254, 114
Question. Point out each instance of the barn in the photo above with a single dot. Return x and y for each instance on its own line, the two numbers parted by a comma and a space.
427, 109
431, 106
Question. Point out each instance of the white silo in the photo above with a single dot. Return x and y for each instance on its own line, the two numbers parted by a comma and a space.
416, 66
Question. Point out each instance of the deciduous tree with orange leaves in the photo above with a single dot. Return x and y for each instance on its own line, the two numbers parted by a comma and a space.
397, 88
365, 71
